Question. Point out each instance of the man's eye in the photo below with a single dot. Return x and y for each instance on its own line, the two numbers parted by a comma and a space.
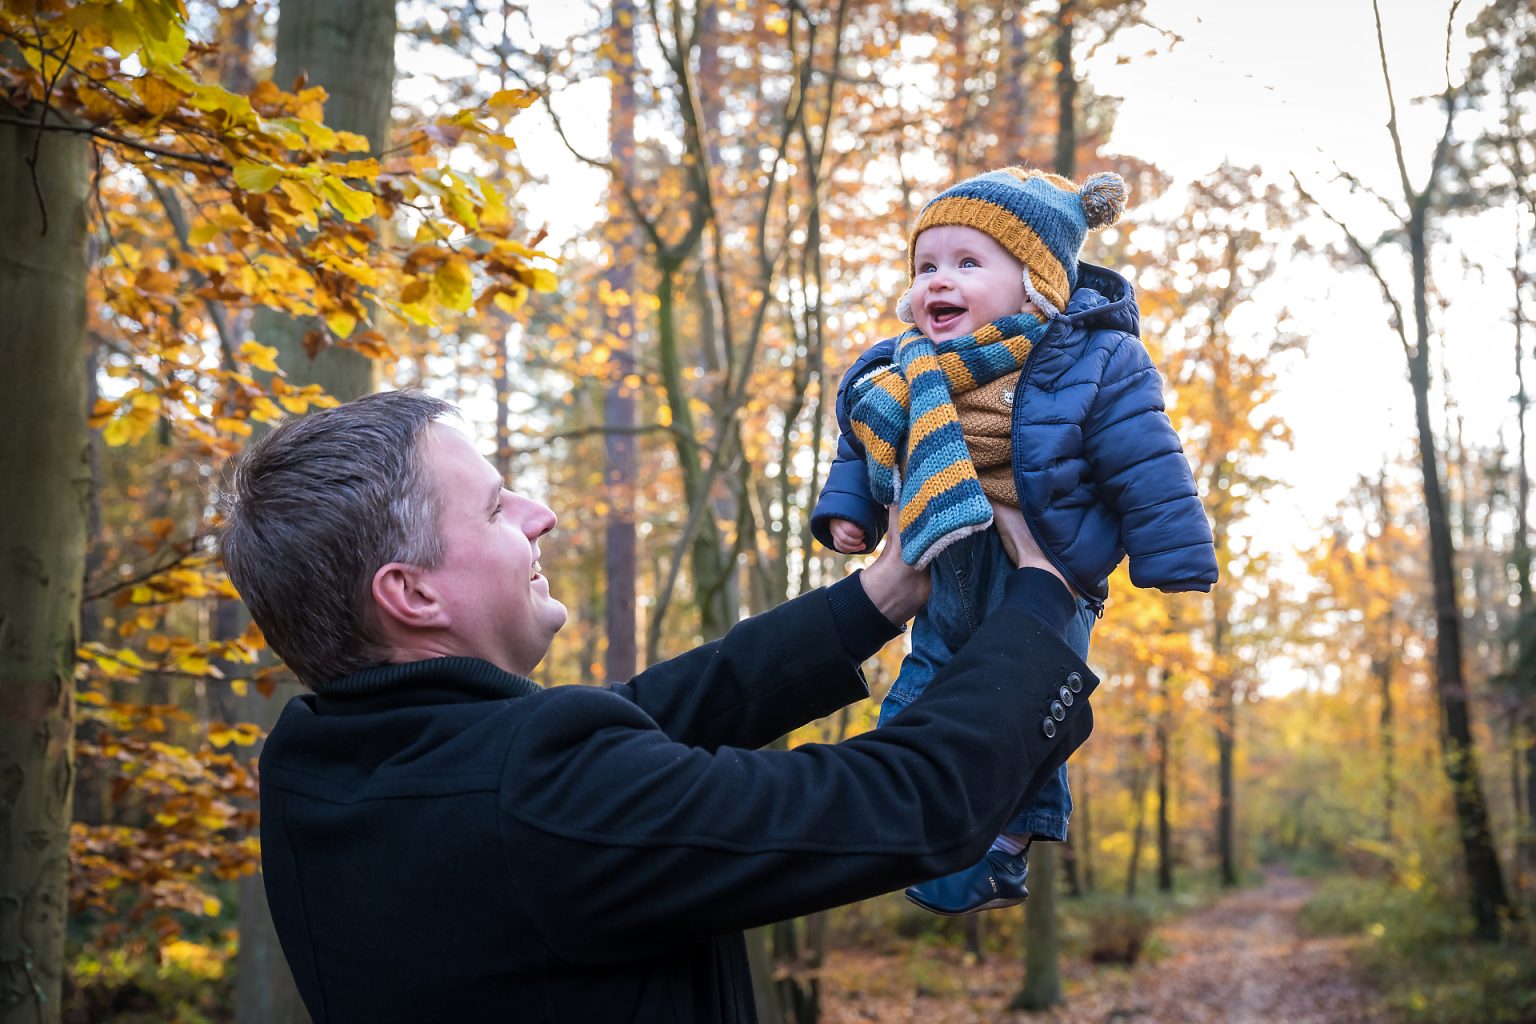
495, 511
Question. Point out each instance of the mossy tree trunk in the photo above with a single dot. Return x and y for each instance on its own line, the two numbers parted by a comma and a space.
43, 509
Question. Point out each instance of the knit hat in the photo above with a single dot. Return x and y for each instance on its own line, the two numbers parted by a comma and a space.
1040, 218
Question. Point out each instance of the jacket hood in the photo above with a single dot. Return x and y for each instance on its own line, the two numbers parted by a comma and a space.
1103, 300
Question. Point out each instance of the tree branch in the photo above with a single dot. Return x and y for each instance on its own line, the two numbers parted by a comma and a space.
1368, 260
1397, 139
121, 140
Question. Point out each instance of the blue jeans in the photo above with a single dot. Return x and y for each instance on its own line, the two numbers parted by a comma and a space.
968, 578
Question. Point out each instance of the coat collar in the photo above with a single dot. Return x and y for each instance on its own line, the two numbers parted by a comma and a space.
433, 681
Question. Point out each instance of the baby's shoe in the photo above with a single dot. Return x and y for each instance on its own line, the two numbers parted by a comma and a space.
995, 881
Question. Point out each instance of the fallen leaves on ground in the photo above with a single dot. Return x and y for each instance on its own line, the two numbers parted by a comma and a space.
1242, 960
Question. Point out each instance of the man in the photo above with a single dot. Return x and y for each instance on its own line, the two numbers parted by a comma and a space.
443, 840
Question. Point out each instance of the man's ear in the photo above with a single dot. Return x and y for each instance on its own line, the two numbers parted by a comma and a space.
405, 597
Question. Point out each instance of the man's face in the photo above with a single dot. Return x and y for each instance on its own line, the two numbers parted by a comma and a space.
497, 601
964, 280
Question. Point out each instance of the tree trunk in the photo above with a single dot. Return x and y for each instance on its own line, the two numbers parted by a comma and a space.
347, 46
622, 472
1164, 820
1066, 92
43, 506
1225, 698
1042, 946
1525, 813
1082, 845
1138, 784
1485, 879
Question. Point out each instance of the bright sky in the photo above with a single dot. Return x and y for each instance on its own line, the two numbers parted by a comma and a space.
1290, 87
1298, 87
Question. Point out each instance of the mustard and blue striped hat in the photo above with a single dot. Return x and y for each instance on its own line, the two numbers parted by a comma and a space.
1040, 218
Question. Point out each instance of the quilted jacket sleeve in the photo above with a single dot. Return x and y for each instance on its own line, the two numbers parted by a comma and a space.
1143, 475
846, 494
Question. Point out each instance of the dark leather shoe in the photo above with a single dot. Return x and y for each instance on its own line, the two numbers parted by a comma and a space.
995, 881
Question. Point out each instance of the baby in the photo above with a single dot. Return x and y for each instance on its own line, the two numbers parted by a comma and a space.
1023, 383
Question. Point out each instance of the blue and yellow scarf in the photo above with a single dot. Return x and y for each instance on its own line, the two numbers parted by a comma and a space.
904, 414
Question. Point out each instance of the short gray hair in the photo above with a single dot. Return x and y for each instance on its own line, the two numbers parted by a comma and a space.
317, 507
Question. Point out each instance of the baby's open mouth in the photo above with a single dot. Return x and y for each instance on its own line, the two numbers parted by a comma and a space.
942, 316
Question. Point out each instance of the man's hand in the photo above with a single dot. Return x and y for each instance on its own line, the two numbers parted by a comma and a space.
896, 588
1020, 543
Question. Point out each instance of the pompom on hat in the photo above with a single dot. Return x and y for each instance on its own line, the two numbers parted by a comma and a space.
1040, 218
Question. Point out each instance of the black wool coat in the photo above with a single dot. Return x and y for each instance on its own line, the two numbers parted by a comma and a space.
444, 841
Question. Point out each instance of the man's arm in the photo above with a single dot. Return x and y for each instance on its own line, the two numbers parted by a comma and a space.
635, 842
793, 664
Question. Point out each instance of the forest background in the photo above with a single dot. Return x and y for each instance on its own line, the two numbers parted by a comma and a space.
638, 244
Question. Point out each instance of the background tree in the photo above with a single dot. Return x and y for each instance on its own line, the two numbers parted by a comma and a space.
1488, 897
43, 183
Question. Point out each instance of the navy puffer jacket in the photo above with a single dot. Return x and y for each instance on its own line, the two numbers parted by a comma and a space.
1098, 467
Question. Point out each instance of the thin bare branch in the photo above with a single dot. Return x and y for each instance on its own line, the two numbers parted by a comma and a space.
1397, 140
1367, 259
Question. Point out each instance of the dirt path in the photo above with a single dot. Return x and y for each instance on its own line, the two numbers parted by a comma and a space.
1240, 961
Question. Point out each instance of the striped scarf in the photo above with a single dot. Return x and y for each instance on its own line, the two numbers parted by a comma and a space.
905, 412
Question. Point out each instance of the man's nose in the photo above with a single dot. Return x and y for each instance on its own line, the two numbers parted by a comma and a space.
537, 518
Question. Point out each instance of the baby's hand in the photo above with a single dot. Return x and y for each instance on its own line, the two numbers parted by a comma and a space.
847, 537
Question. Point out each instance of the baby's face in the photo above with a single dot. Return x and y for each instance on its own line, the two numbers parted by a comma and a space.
964, 280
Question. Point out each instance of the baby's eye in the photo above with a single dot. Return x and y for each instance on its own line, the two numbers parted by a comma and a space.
925, 268
969, 262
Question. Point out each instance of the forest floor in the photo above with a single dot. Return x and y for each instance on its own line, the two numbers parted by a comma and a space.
1241, 960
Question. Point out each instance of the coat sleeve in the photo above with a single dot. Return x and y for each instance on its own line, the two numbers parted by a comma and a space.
619, 840
1144, 477
769, 674
846, 493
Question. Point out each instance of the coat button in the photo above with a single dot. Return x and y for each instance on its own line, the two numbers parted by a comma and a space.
1049, 728
1058, 710
1066, 696
1075, 682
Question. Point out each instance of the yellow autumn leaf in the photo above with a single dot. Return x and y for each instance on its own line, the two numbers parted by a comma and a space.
240, 687
129, 429
341, 323
544, 280
507, 100
195, 666
500, 141
453, 282
255, 177
460, 209
236, 108
304, 199
511, 302
351, 142
262, 357
348, 201
264, 410
166, 819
